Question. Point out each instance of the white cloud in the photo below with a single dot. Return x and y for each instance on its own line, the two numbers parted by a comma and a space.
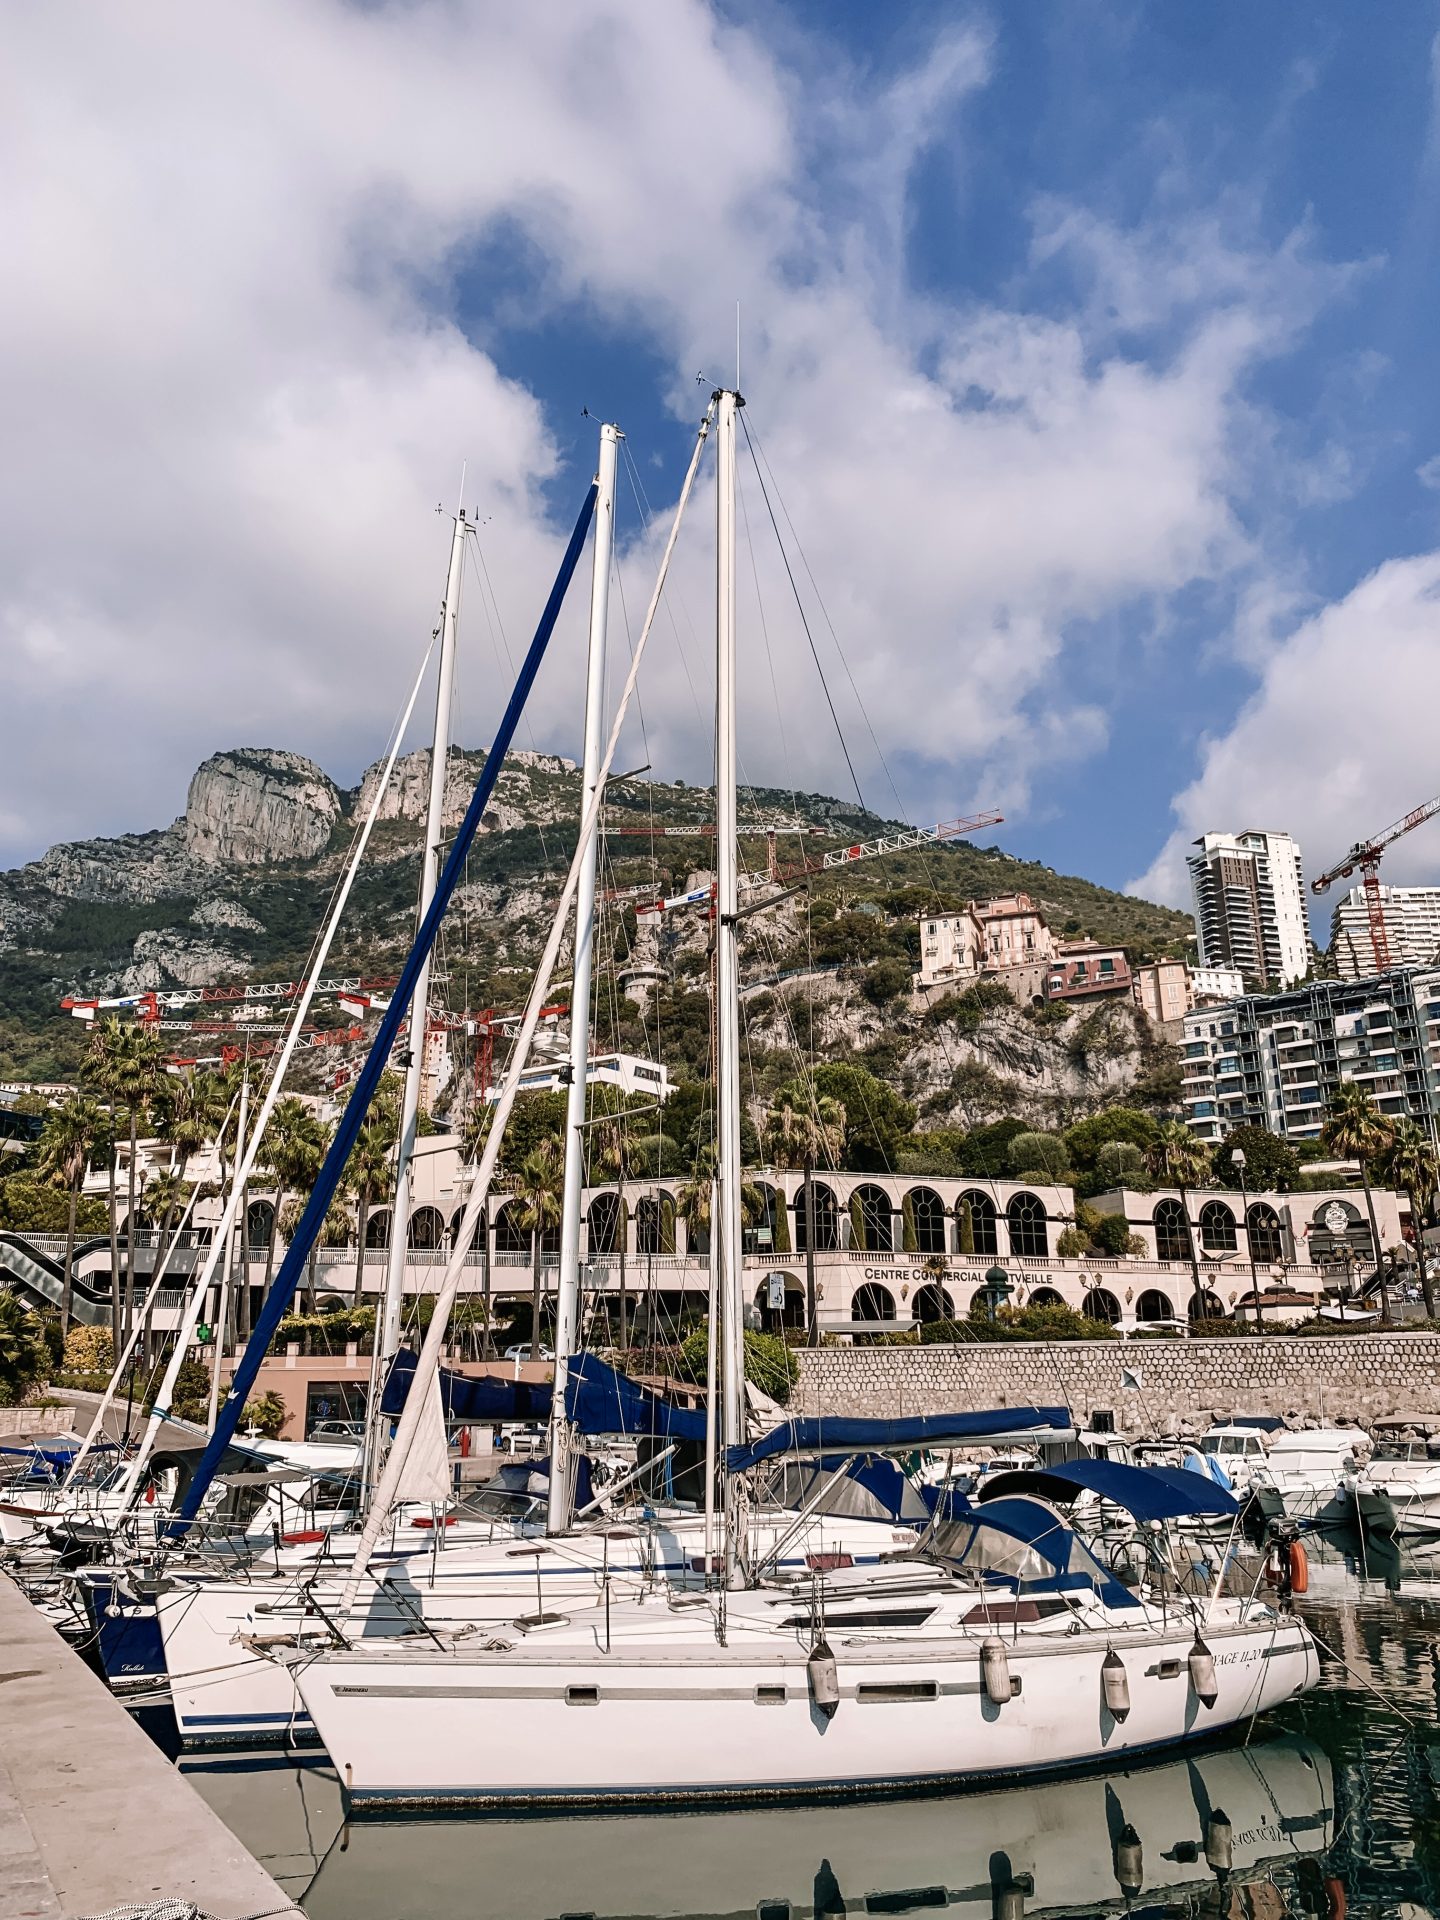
1339, 738
237, 387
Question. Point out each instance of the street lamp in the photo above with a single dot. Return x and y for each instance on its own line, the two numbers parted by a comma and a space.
1237, 1160
997, 1289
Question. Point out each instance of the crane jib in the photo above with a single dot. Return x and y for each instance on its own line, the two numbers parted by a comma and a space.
277, 1301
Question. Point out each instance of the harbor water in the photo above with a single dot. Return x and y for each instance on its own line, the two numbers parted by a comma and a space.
1331, 1807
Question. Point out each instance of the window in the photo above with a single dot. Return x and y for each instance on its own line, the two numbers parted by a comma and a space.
976, 1214
1217, 1228
1172, 1242
1027, 1221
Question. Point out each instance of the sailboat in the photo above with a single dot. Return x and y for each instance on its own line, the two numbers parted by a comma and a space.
1008, 1650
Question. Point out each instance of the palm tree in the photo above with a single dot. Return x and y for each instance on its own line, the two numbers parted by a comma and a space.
166, 1195
1411, 1163
1356, 1129
538, 1184
1180, 1160
294, 1151
371, 1174
71, 1134
693, 1203
610, 1160
800, 1129
128, 1067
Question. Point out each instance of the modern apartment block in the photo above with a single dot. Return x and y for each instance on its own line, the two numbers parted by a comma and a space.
1412, 928
1276, 1059
1250, 905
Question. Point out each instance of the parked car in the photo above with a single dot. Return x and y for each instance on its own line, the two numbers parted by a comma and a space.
522, 1352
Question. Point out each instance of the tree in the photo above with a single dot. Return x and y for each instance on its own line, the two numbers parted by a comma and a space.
877, 1121
1128, 1124
1271, 1164
1039, 1156
1119, 1164
24, 1352
693, 1201
128, 1065
1356, 1129
1411, 1163
294, 1151
1180, 1160
334, 1232
166, 1197
983, 1151
538, 1184
803, 1129
371, 1174
72, 1132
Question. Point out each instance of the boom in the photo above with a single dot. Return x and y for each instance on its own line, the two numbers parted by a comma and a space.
1365, 855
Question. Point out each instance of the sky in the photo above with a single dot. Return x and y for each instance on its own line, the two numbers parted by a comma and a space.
1088, 356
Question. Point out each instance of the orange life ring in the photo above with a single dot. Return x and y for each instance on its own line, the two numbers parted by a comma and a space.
1299, 1568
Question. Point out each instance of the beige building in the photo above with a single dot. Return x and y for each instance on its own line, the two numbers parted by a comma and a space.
986, 936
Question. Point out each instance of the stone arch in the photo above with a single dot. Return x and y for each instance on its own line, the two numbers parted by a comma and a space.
976, 1213
827, 1219
655, 1224
932, 1302
259, 1222
377, 1227
764, 1232
792, 1314
926, 1212
1217, 1228
426, 1233
1045, 1297
1267, 1241
1154, 1305
510, 1236
876, 1218
1026, 1217
1172, 1240
1101, 1304
1206, 1306
477, 1235
872, 1302
602, 1223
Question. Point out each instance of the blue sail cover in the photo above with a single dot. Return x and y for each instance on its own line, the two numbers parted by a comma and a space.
1071, 1566
994, 1428
600, 1400
1150, 1493
470, 1401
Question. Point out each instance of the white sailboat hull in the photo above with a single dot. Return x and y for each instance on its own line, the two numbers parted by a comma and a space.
223, 1691
658, 1720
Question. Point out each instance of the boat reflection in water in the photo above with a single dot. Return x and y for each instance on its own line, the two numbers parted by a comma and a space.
1161, 1832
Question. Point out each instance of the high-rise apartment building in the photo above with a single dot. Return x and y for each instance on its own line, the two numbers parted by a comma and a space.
1250, 905
1412, 930
1275, 1060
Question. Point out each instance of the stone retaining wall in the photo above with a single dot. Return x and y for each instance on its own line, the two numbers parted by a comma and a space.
1359, 1376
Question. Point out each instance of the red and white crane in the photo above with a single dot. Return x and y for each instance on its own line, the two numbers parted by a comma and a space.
1365, 855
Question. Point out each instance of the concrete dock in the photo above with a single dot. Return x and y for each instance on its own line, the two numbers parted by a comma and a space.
92, 1815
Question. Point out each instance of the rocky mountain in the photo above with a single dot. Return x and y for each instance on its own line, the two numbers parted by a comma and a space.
236, 888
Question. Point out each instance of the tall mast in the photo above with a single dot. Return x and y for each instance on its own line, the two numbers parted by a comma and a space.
394, 1303
727, 900
567, 1316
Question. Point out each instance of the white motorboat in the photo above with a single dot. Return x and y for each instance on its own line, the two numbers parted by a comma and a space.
1321, 1474
1410, 1481
914, 1675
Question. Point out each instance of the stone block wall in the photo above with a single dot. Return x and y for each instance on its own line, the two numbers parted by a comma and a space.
1362, 1377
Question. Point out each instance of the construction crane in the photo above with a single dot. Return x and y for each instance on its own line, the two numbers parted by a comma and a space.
785, 874
150, 1007
1365, 855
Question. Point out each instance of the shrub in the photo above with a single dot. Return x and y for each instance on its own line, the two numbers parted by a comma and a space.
885, 980
1120, 1164
1072, 1244
1112, 1235
267, 1413
769, 1363
89, 1350
1039, 1154
24, 1351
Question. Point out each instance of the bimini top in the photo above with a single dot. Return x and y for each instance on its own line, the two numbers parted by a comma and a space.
995, 1428
1150, 1493
1022, 1543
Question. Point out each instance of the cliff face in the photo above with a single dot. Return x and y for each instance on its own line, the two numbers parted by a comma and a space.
258, 804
